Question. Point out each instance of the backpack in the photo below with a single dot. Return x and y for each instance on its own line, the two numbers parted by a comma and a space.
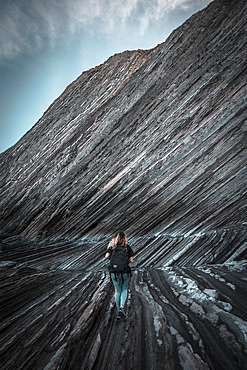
119, 261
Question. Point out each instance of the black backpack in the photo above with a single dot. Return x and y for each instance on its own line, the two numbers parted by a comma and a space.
119, 260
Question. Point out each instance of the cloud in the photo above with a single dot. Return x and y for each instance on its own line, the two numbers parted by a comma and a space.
26, 26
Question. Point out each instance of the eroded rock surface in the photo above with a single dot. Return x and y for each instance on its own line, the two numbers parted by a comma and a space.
152, 142
58, 314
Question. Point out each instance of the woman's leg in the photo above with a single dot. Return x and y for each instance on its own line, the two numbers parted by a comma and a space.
118, 288
124, 291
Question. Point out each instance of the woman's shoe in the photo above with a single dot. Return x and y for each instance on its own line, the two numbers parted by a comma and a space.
121, 310
118, 315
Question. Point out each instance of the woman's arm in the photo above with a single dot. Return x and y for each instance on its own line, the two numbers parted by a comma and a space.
131, 253
108, 256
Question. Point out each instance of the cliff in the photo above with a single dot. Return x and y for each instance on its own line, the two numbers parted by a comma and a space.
152, 142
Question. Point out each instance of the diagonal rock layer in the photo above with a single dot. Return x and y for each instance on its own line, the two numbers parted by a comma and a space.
152, 142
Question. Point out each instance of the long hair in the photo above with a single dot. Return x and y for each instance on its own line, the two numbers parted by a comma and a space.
119, 238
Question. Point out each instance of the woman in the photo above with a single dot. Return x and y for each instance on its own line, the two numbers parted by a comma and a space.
120, 280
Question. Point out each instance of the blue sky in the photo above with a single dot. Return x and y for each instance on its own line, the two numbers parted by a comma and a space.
46, 44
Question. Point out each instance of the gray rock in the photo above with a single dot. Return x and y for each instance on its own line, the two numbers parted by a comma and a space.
152, 142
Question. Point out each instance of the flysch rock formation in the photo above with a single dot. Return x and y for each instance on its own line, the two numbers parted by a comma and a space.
152, 142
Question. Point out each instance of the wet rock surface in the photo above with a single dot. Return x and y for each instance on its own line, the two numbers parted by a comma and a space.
152, 142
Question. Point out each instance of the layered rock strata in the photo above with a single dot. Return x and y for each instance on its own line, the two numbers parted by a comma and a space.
153, 142
150, 141
56, 314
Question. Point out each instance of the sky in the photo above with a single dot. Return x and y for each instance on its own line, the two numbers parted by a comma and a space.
47, 44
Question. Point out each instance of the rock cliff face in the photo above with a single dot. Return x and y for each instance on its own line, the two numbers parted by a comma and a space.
152, 142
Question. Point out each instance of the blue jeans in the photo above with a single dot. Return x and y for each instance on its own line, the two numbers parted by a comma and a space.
121, 288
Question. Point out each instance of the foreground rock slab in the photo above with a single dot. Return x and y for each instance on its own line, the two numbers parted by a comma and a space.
63, 318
